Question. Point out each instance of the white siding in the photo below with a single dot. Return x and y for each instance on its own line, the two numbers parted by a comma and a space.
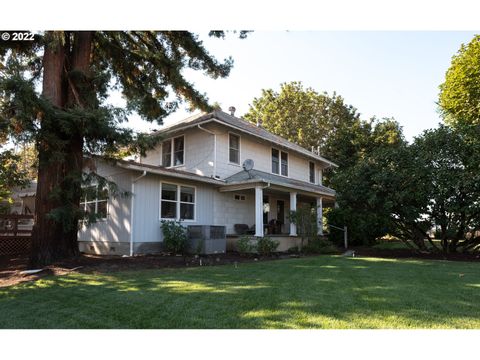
116, 228
146, 218
199, 155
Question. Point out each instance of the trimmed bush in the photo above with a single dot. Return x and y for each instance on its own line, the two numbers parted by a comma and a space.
174, 237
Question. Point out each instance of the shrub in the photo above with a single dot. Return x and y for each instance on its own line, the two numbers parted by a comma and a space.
319, 245
266, 246
245, 245
174, 237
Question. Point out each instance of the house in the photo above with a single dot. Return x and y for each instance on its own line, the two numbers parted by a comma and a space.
209, 169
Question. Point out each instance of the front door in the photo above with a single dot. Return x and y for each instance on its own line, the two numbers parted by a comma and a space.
281, 213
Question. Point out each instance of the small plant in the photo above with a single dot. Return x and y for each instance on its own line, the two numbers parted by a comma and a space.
174, 237
245, 245
266, 246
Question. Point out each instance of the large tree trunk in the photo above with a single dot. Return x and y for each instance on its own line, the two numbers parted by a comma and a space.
60, 159
47, 233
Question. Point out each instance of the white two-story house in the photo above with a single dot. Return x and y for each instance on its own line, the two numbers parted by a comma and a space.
209, 169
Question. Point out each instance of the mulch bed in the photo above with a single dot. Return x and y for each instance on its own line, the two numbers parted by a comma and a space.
11, 266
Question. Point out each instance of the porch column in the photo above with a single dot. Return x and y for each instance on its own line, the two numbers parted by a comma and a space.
258, 211
320, 215
293, 207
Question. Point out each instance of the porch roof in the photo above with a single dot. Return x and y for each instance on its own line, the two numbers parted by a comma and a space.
257, 176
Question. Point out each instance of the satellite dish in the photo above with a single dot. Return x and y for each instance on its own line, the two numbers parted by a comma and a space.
248, 165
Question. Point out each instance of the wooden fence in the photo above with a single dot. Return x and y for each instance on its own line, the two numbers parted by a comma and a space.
15, 234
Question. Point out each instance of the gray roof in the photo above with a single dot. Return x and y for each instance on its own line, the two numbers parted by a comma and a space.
256, 175
244, 126
161, 170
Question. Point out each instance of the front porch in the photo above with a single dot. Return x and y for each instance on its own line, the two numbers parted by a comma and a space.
266, 211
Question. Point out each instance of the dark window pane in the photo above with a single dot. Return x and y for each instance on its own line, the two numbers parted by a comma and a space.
234, 149
178, 158
169, 192
234, 142
312, 172
169, 210
90, 208
102, 194
186, 211
275, 161
178, 146
284, 164
90, 192
234, 156
187, 194
102, 209
167, 153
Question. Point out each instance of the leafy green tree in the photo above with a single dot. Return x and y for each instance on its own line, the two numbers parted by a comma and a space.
11, 175
459, 98
409, 190
318, 120
54, 91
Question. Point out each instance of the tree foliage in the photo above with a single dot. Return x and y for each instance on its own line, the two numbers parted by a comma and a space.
459, 98
11, 175
54, 92
416, 191
320, 121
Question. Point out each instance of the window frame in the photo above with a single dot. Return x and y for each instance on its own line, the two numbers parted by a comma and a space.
178, 202
172, 151
96, 201
280, 152
239, 148
240, 196
312, 171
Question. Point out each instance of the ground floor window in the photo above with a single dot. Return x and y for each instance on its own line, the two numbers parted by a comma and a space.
95, 201
177, 202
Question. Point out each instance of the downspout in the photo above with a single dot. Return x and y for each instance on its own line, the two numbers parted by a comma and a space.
131, 211
214, 175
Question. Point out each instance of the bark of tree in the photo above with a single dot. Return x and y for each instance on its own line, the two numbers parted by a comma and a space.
51, 241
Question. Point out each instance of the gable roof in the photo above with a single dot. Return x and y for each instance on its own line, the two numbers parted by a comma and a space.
244, 126
243, 177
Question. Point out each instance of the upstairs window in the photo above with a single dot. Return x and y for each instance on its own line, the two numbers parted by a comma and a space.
312, 172
234, 148
275, 161
167, 153
284, 161
173, 152
279, 162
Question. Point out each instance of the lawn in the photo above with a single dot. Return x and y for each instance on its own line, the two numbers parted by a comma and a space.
315, 292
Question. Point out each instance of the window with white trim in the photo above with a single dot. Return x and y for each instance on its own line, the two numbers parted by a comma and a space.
177, 202
95, 201
279, 162
239, 197
234, 148
312, 171
173, 152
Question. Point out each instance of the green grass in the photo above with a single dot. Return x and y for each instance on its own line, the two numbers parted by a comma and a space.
316, 292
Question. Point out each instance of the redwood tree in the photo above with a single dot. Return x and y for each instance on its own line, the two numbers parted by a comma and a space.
54, 91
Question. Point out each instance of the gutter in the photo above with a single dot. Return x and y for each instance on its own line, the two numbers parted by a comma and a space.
132, 207
214, 175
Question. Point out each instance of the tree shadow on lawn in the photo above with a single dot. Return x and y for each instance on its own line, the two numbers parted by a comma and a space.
319, 292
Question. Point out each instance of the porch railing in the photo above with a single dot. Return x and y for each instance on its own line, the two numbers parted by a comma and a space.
15, 234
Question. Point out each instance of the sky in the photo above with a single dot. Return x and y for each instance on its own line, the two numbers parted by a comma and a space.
382, 74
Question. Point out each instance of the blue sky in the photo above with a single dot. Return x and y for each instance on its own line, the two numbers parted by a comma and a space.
386, 74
